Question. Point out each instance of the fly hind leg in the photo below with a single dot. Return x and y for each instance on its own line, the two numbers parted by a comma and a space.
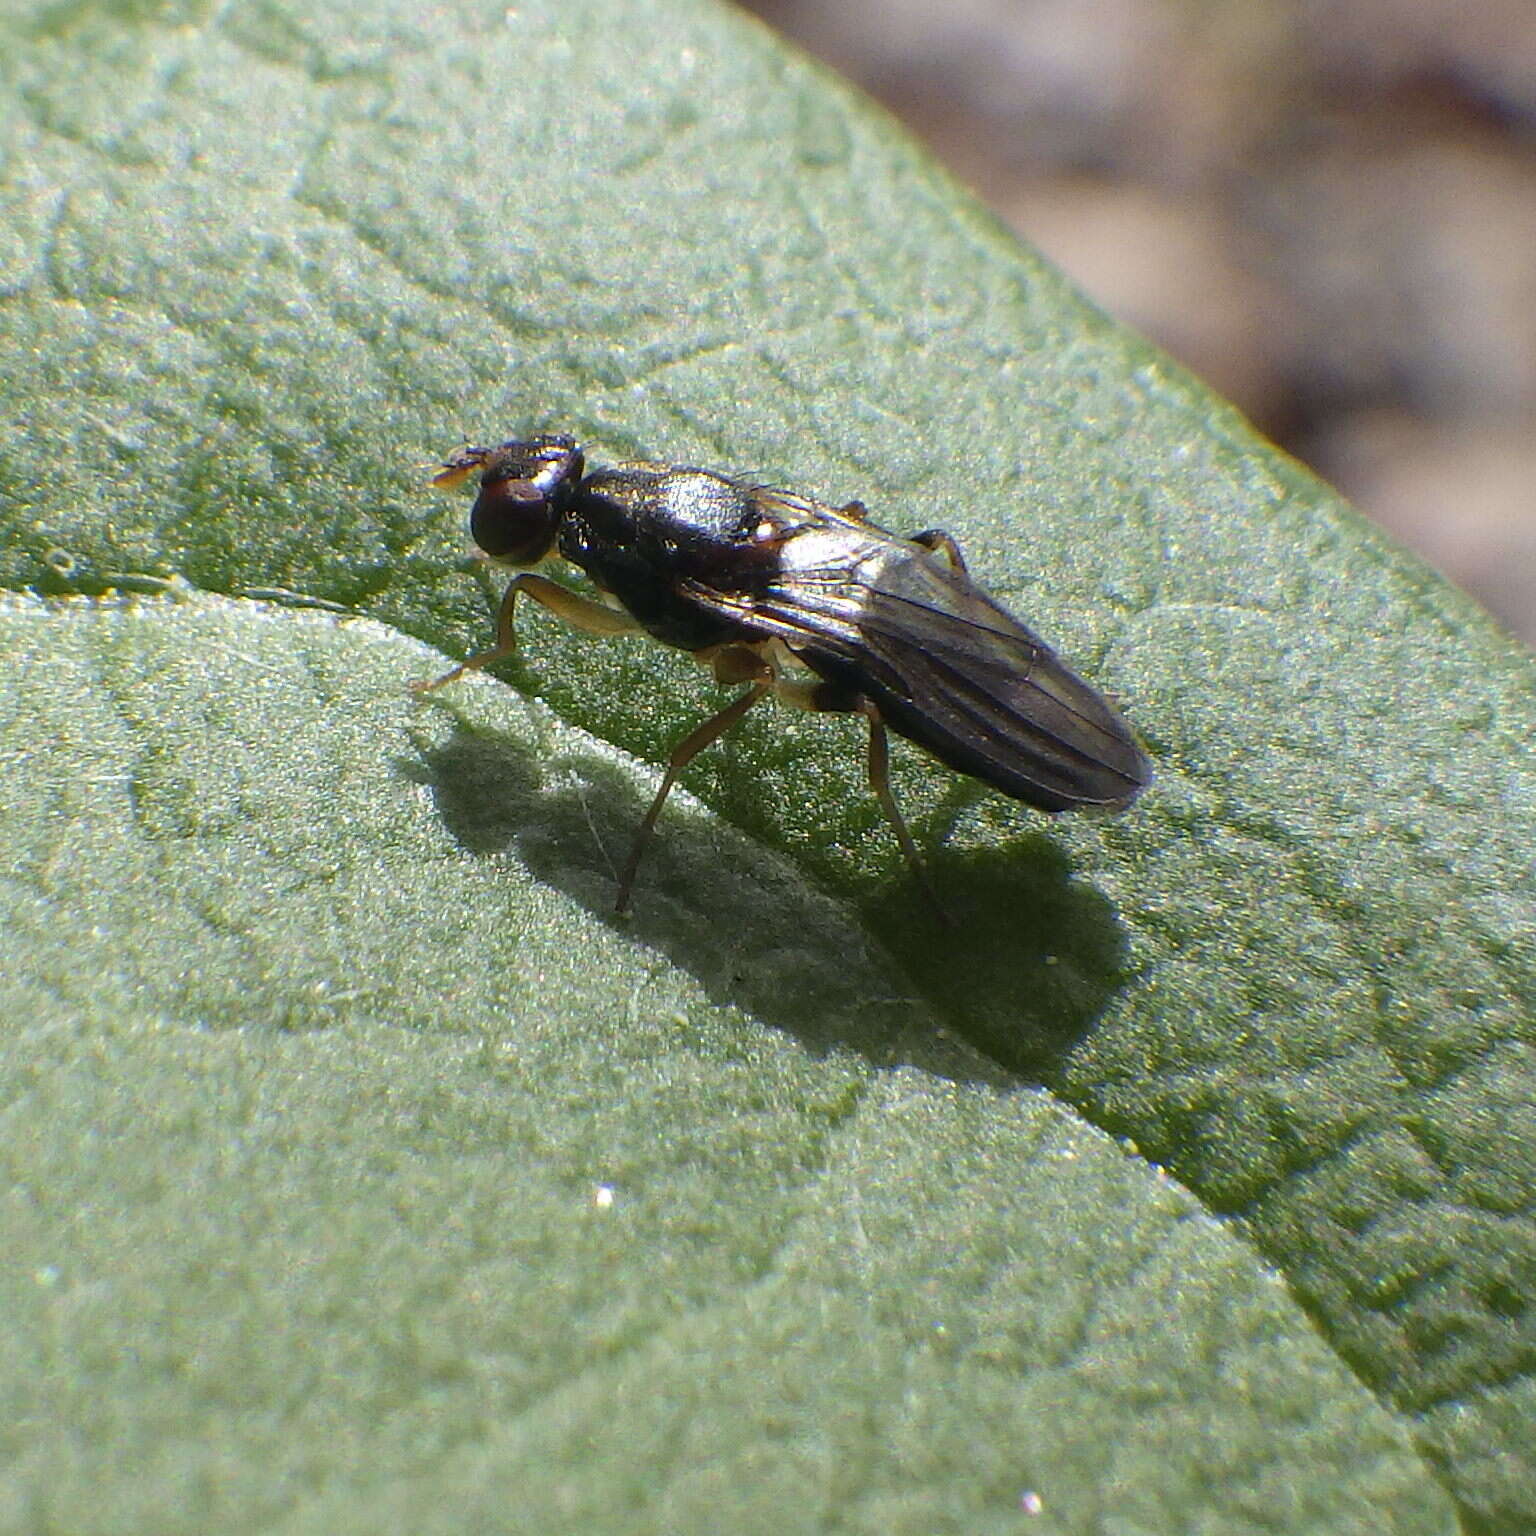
880, 783
823, 696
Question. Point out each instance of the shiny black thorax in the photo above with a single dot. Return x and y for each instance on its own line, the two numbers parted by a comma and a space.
645, 532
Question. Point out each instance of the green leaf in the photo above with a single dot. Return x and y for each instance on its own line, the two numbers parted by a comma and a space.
259, 265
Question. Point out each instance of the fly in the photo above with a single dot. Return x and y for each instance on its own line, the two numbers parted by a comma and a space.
810, 602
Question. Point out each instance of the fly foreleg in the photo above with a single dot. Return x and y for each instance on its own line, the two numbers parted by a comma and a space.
577, 611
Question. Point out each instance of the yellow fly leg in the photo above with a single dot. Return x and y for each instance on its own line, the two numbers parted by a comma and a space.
579, 612
823, 697
730, 664
880, 783
683, 754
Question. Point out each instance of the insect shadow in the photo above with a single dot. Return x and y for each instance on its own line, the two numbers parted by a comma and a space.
1031, 961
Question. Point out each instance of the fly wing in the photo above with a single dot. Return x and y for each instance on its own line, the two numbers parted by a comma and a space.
946, 666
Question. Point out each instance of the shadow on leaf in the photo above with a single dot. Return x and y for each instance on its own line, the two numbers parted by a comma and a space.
1031, 960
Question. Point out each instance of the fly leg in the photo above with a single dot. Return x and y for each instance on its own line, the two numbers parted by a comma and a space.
683, 754
577, 611
880, 783
730, 664
942, 543
823, 696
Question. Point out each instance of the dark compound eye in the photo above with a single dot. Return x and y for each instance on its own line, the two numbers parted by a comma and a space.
513, 520
524, 488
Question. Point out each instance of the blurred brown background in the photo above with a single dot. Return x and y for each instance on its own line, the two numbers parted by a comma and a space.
1325, 207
